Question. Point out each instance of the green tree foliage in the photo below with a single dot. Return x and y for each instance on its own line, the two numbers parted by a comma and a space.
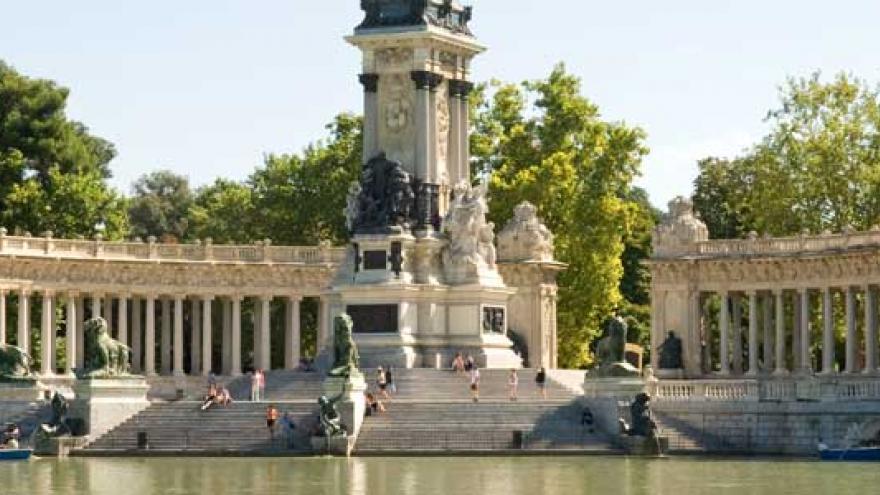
817, 169
298, 199
223, 212
577, 169
52, 171
160, 206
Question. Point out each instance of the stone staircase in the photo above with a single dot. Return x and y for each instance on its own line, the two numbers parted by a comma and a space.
430, 385
182, 427
682, 438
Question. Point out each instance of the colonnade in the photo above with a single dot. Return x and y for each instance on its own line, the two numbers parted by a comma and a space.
153, 326
778, 342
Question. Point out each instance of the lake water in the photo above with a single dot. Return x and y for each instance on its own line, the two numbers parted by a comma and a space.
446, 475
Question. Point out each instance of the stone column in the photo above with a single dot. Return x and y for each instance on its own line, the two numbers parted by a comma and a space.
768, 331
806, 363
780, 333
122, 319
165, 344
178, 335
80, 332
737, 334
258, 323
292, 333
753, 333
136, 336
195, 344
870, 331
70, 359
266, 333
226, 354
24, 323
422, 125
2, 316
454, 150
371, 115
723, 325
827, 331
47, 335
464, 89
236, 336
96, 305
851, 335
207, 357
323, 323
150, 335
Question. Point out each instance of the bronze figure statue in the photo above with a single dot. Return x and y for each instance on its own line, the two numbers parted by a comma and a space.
670, 353
345, 353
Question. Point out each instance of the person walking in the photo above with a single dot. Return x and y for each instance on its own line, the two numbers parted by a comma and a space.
541, 382
389, 378
513, 384
475, 384
262, 385
255, 385
382, 383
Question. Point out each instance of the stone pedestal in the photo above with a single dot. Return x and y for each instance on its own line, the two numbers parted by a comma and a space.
607, 397
353, 403
22, 391
58, 447
103, 404
340, 446
644, 446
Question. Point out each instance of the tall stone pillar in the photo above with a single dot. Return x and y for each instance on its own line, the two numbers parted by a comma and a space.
806, 362
796, 332
236, 336
165, 344
422, 125
150, 335
96, 305
768, 331
195, 344
122, 319
80, 331
226, 306
266, 333
178, 335
827, 331
70, 330
136, 336
454, 148
851, 335
780, 333
258, 328
753, 333
463, 88
737, 334
371, 115
24, 317
870, 330
694, 343
292, 333
2, 316
207, 343
723, 325
47, 334
323, 323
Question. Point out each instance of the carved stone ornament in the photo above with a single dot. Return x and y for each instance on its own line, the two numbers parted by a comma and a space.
681, 229
397, 107
525, 238
471, 246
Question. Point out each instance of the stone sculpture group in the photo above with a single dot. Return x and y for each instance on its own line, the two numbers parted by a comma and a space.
471, 239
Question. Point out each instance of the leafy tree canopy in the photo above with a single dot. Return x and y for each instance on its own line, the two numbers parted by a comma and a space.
160, 206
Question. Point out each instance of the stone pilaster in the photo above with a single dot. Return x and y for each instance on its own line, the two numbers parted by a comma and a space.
71, 340
122, 319
150, 335
207, 341
768, 333
24, 317
780, 333
737, 347
178, 335
80, 331
226, 337
827, 331
804, 361
724, 328
165, 344
292, 339
136, 335
236, 336
266, 333
195, 343
851, 335
371, 115
753, 333
47, 335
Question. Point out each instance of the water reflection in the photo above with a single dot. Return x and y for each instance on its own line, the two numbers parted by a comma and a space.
419, 476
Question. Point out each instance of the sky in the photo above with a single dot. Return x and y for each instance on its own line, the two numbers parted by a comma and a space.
207, 88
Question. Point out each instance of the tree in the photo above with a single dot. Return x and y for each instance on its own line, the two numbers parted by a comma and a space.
817, 169
223, 212
160, 206
299, 199
577, 169
52, 171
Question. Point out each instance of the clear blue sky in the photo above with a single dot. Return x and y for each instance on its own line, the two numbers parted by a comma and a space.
205, 88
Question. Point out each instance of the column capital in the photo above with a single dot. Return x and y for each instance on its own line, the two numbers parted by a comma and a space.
370, 82
207, 297
752, 293
295, 298
459, 88
24, 291
265, 297
803, 290
426, 80
778, 292
47, 292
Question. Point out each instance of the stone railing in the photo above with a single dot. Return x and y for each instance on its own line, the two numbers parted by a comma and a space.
758, 246
259, 252
819, 389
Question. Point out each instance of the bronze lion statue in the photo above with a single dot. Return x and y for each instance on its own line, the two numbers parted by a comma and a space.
105, 356
345, 354
15, 363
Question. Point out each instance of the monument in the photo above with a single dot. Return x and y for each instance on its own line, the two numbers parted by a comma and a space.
421, 280
343, 403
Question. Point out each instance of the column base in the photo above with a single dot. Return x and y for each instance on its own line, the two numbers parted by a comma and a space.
781, 372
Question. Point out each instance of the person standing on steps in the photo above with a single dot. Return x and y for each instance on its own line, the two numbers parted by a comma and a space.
271, 418
513, 384
255, 386
475, 384
389, 378
541, 382
382, 383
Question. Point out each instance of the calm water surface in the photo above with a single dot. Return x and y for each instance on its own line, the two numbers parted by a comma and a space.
422, 476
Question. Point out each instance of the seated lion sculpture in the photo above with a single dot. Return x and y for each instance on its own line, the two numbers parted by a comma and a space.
345, 353
15, 363
611, 351
105, 356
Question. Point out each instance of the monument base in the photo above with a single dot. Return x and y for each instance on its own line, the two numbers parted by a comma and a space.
643, 446
352, 404
103, 404
24, 390
58, 447
340, 445
608, 398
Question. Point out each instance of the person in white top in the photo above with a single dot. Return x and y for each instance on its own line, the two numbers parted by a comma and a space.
513, 384
475, 384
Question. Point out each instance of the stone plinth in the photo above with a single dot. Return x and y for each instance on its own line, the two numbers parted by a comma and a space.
106, 403
22, 391
341, 445
644, 446
58, 447
352, 405
606, 397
